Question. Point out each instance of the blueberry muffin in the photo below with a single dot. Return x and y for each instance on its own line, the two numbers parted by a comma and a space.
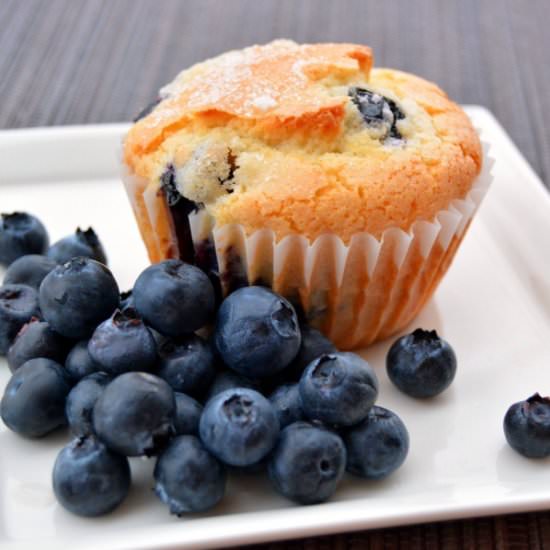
345, 188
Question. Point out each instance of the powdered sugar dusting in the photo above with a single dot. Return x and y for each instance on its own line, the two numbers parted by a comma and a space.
280, 78
297, 67
264, 102
159, 116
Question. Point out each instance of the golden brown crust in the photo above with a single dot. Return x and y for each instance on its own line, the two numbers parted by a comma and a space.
302, 165
274, 86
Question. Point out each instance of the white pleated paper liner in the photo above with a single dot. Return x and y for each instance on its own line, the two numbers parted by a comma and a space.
355, 293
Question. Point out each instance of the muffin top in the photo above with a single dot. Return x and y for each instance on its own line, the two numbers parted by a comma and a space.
307, 139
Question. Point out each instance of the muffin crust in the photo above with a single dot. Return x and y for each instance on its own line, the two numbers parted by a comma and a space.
271, 137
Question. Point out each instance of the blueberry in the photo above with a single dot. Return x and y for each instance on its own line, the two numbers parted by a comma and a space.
174, 298
21, 234
287, 403
187, 477
187, 365
312, 346
29, 270
239, 426
18, 305
257, 332
135, 414
338, 389
188, 414
421, 364
88, 479
527, 426
123, 343
179, 208
81, 243
126, 300
81, 400
34, 399
78, 295
377, 110
36, 339
307, 463
378, 445
228, 380
79, 363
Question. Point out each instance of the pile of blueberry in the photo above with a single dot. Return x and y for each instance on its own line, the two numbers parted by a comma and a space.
131, 377
165, 371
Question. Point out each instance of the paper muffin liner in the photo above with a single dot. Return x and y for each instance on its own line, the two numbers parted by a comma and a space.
355, 293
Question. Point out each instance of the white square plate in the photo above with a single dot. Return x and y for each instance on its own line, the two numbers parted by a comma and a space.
493, 306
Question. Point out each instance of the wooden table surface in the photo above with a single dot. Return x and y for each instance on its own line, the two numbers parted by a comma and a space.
91, 61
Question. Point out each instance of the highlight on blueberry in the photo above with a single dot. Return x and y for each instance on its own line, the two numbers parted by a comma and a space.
527, 426
421, 364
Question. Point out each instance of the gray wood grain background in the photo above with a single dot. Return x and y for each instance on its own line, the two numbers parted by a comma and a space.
91, 61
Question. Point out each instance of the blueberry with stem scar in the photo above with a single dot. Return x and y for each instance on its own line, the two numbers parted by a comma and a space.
81, 243
239, 426
421, 364
338, 389
527, 426
78, 295
123, 343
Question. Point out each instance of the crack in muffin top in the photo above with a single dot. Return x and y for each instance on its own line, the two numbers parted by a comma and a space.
278, 82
